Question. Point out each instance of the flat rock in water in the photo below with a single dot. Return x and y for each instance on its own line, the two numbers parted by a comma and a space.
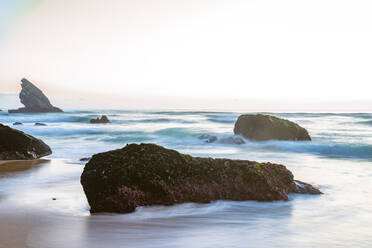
16, 145
266, 127
232, 140
208, 138
34, 100
148, 174
40, 124
17, 123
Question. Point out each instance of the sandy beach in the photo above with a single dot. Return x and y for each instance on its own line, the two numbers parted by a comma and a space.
29, 217
16, 222
28, 203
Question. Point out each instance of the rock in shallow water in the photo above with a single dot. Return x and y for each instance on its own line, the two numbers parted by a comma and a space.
84, 159
148, 174
16, 145
305, 188
265, 127
34, 100
208, 138
232, 140
40, 124
103, 119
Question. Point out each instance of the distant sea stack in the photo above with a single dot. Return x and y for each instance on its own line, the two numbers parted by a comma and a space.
266, 127
16, 145
148, 174
34, 100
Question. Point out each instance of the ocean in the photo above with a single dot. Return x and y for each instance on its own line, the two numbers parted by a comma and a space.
338, 161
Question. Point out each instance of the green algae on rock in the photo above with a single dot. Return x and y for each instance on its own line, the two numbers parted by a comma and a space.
148, 174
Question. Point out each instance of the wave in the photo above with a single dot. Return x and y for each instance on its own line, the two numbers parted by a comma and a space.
51, 131
369, 123
337, 139
115, 118
162, 120
187, 112
178, 132
80, 119
340, 150
190, 137
118, 116
357, 151
222, 118
47, 118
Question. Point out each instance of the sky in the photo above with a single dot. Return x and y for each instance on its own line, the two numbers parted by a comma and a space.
269, 55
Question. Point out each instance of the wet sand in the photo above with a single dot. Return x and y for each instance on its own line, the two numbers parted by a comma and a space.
29, 217
15, 226
16, 223
12, 166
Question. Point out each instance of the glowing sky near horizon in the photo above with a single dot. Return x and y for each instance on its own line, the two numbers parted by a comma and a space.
238, 51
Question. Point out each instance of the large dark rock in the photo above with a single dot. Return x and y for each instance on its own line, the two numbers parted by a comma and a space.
103, 119
267, 127
34, 100
148, 174
16, 145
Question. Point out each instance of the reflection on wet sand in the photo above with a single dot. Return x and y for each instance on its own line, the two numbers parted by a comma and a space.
29, 217
13, 166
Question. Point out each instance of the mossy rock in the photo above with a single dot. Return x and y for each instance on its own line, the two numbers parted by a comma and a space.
148, 174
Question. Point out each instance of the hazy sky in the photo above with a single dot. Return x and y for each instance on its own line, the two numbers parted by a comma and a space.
207, 54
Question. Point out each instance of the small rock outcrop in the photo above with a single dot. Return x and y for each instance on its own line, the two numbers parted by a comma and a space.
34, 100
17, 123
208, 138
148, 174
266, 127
40, 124
103, 119
84, 159
16, 145
232, 140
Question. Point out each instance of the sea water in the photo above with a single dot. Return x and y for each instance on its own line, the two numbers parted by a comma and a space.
338, 161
